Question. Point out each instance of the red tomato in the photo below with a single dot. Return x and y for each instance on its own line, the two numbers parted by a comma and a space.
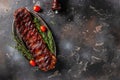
37, 8
43, 28
32, 63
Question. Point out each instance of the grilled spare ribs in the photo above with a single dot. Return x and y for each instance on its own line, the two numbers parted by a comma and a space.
34, 42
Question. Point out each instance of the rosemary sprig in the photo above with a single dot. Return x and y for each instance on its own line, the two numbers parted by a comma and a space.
47, 36
21, 47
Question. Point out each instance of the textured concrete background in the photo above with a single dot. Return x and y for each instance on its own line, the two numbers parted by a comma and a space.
87, 35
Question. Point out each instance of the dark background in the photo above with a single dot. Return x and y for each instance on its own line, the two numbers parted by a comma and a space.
87, 35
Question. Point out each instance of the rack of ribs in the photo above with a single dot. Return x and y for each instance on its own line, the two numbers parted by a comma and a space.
32, 39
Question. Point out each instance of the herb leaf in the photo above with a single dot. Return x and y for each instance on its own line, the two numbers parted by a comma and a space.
47, 36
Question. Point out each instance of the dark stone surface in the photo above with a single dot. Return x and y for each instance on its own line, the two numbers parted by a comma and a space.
87, 37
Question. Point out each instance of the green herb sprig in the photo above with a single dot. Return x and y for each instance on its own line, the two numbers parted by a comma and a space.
21, 47
47, 36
